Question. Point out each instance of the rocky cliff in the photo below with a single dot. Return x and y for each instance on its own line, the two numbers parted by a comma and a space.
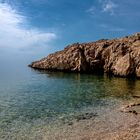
119, 57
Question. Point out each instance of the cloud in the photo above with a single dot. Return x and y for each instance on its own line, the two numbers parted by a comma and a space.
105, 6
15, 31
91, 10
109, 6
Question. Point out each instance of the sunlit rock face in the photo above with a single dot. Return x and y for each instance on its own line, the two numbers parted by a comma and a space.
119, 57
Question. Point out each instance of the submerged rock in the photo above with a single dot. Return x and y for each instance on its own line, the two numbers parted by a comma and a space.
85, 116
119, 57
131, 108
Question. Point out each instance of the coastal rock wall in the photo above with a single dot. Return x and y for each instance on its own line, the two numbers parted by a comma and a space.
119, 57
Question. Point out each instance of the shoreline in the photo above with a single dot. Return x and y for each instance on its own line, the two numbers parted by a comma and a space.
110, 125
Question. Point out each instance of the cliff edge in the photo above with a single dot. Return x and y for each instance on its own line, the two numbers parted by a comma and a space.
119, 57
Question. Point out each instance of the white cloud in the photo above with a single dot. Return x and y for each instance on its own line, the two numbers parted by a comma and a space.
91, 10
105, 6
13, 32
109, 6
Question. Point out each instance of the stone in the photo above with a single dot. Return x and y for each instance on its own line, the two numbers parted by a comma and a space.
138, 70
85, 116
130, 108
123, 66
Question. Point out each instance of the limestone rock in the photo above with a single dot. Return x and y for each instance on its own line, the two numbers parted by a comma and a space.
123, 66
119, 57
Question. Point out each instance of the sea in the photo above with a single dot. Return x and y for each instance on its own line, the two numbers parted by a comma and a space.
31, 100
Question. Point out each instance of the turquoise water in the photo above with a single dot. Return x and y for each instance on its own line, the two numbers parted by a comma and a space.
33, 99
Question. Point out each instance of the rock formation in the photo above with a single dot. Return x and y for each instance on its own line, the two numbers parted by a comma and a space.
119, 57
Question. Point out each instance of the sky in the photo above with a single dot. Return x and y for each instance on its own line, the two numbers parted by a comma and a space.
31, 29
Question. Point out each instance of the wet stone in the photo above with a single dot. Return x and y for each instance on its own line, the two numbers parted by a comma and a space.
85, 116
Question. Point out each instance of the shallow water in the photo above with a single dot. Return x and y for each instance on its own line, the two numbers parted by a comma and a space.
32, 100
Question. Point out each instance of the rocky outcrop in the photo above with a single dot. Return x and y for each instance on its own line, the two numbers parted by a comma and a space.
119, 57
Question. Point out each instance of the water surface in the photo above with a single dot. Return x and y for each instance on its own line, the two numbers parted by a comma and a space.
31, 100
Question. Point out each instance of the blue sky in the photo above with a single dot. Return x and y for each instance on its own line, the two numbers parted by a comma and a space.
39, 27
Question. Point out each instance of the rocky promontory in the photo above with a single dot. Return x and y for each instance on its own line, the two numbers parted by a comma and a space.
119, 57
